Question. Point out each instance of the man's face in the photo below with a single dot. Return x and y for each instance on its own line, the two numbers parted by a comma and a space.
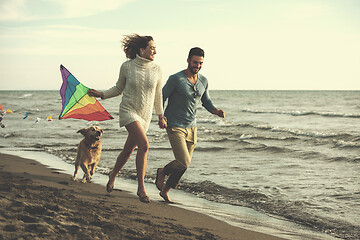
150, 51
195, 64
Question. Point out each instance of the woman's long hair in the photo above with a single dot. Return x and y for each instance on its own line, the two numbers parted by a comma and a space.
133, 43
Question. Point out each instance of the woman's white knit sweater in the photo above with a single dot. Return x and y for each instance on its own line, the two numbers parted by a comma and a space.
140, 83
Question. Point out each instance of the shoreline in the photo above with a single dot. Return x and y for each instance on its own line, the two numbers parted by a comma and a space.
38, 201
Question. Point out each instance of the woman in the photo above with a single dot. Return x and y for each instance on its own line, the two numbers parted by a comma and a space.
140, 83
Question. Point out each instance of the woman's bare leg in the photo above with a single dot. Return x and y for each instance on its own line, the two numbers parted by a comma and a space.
137, 135
121, 160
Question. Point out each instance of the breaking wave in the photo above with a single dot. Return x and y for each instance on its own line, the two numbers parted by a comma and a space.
304, 113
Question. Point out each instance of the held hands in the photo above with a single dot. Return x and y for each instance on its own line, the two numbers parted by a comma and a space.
162, 122
219, 112
94, 93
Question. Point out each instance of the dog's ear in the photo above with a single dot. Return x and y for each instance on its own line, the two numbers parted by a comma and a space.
82, 131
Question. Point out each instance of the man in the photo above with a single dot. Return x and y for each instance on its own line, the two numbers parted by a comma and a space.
184, 91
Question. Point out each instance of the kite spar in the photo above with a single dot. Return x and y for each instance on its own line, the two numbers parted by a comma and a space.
76, 102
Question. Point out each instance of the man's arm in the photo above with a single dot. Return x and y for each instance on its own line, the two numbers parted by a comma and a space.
219, 112
168, 88
208, 104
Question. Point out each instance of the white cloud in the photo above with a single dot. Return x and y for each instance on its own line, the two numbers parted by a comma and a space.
308, 10
290, 55
12, 9
60, 40
83, 8
25, 10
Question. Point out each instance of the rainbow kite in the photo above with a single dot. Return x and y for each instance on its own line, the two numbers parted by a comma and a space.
76, 102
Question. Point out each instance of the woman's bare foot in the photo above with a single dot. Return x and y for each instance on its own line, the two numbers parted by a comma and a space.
110, 184
143, 197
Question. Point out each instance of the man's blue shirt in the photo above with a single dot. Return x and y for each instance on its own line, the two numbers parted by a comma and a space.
183, 99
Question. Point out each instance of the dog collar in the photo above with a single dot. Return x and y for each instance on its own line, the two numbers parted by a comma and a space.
89, 146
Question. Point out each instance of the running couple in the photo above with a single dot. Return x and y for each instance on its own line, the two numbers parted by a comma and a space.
140, 83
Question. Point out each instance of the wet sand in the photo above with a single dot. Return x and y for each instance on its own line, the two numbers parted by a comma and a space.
37, 202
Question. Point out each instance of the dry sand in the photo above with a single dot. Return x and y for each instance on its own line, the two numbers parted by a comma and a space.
37, 202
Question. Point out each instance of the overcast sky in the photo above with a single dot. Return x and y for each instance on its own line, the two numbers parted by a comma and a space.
257, 44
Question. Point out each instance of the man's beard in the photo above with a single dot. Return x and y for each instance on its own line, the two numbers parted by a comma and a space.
194, 71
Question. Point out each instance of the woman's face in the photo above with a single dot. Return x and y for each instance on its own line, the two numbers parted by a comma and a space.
149, 52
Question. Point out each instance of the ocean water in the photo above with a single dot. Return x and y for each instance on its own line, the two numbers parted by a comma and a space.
290, 155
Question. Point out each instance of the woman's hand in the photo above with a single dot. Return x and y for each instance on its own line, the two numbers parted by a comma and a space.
94, 93
162, 122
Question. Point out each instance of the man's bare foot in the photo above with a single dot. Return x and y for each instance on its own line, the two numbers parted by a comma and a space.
165, 196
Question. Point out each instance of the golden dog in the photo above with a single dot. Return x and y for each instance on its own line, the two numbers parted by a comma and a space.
88, 152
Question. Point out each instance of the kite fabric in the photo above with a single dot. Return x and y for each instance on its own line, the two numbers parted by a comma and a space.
76, 102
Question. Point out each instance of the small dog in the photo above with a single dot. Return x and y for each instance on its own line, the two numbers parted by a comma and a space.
88, 152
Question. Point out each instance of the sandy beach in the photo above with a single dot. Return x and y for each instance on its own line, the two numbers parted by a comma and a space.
37, 202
